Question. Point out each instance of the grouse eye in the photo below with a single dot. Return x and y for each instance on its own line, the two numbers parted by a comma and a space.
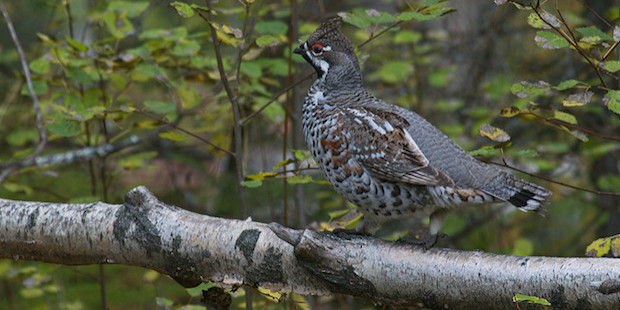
317, 49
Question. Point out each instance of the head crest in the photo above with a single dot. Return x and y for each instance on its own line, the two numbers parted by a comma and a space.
329, 34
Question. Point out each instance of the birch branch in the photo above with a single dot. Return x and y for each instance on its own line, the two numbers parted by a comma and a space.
193, 248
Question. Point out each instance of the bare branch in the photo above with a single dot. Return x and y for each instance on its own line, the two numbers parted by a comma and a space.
506, 165
35, 99
88, 152
557, 122
233, 98
193, 248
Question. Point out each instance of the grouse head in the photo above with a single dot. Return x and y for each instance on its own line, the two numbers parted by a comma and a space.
331, 54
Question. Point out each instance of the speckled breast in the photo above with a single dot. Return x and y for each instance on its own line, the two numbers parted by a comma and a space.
326, 134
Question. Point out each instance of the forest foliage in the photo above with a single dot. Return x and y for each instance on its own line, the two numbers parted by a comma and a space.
211, 93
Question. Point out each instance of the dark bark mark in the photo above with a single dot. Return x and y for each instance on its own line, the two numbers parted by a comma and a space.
32, 219
247, 242
610, 286
524, 262
145, 233
269, 270
431, 301
583, 304
180, 267
558, 299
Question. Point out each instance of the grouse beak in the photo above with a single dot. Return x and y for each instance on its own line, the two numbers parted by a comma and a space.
299, 50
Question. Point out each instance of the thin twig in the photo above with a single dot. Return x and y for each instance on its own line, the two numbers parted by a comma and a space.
600, 193
185, 131
596, 14
557, 122
35, 99
232, 97
245, 120
570, 38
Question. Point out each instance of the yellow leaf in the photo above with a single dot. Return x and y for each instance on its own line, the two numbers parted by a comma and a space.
300, 302
274, 296
494, 133
599, 247
150, 276
172, 136
565, 117
510, 112
615, 245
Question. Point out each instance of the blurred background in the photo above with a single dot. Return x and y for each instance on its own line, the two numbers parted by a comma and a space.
106, 70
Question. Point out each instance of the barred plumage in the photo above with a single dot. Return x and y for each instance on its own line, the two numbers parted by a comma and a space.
385, 159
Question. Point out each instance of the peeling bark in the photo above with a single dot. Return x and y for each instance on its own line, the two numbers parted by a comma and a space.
193, 248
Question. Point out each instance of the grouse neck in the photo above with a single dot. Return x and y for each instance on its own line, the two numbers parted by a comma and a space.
343, 80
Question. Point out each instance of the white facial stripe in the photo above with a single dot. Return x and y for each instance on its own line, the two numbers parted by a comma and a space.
327, 48
321, 64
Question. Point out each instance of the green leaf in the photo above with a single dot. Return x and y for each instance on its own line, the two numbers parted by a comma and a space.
261, 176
523, 247
130, 8
40, 88
31, 293
173, 34
283, 163
612, 101
186, 48
20, 137
485, 151
549, 40
184, 9
526, 153
578, 99
303, 155
18, 188
531, 299
338, 213
170, 135
567, 84
440, 77
525, 89
299, 179
494, 133
271, 27
78, 46
65, 127
609, 182
395, 71
354, 20
266, 40
40, 65
252, 183
165, 303
565, 117
197, 291
160, 107
251, 69
611, 65
535, 21
79, 75
118, 24
592, 34
407, 36
136, 161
